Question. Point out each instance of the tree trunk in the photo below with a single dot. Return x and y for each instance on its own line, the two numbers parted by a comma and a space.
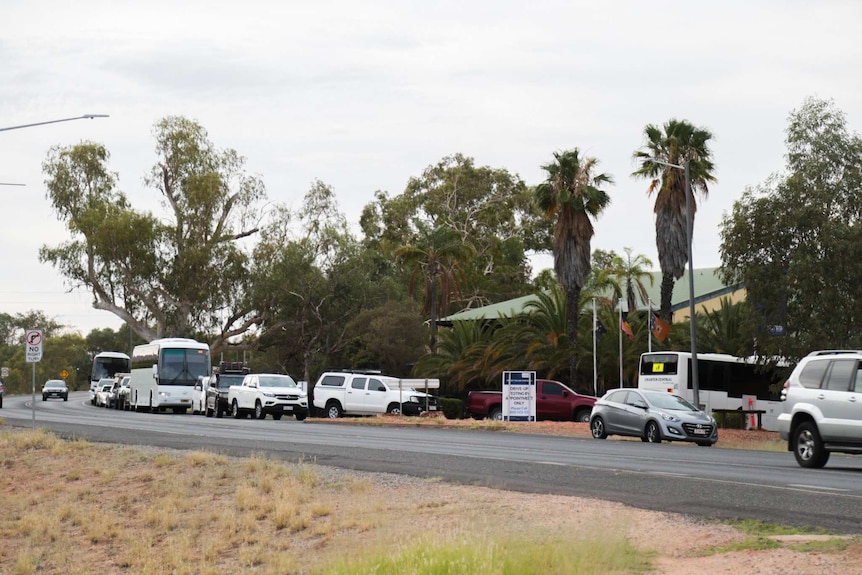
572, 297
667, 283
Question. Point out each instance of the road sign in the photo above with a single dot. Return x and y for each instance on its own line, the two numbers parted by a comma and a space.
519, 396
4, 372
33, 345
64, 374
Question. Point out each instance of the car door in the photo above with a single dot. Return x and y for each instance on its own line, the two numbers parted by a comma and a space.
615, 411
354, 394
376, 397
552, 402
838, 400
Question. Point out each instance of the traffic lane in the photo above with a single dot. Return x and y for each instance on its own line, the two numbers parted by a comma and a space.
741, 466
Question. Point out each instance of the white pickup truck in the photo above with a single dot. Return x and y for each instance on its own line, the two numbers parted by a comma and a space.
340, 393
267, 393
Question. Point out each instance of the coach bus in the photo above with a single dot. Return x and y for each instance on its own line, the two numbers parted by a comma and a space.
725, 382
164, 374
107, 364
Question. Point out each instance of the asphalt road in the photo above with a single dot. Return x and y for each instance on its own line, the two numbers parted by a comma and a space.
707, 482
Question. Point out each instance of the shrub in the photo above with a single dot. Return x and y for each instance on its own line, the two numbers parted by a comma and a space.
452, 408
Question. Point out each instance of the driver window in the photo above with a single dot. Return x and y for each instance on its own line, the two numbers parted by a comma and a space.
636, 400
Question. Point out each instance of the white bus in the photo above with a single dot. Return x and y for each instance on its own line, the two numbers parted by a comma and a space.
107, 364
725, 382
164, 374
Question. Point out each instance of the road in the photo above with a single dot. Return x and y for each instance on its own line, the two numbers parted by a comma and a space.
708, 482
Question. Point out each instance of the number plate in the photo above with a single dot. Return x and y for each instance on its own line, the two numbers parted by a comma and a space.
288, 408
700, 431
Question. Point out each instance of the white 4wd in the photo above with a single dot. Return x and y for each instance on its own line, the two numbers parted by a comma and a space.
267, 393
823, 407
369, 393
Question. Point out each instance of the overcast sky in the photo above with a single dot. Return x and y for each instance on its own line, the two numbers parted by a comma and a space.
365, 95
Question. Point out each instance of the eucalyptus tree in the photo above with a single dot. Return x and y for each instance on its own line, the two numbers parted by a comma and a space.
795, 240
179, 273
310, 277
486, 207
678, 142
571, 196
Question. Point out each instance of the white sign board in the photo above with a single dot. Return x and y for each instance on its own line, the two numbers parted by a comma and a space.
519, 396
33, 345
4, 372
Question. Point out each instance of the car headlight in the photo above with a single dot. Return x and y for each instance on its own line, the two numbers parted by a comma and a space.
268, 394
669, 417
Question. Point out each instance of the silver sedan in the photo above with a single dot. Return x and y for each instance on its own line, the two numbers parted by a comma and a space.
653, 416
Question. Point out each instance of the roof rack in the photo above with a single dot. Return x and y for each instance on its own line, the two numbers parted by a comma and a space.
834, 352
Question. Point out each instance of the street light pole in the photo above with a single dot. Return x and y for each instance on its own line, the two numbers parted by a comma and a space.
689, 230
84, 117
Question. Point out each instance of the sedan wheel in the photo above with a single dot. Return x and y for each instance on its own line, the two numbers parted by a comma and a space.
652, 434
597, 428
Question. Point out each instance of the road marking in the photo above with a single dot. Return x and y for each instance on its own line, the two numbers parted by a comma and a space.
817, 488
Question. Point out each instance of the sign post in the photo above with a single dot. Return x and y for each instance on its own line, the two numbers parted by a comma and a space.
519, 396
33, 353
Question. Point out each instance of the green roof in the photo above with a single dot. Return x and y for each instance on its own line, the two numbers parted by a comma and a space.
707, 285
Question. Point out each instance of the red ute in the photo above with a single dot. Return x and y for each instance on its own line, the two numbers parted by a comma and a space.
553, 401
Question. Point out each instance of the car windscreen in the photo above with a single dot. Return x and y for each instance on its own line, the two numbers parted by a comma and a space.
669, 401
277, 381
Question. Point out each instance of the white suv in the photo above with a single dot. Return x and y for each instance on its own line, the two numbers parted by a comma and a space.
823, 406
340, 393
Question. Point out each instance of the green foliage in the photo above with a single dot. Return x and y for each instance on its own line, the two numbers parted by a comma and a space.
453, 408
678, 142
795, 240
389, 337
571, 196
164, 276
489, 211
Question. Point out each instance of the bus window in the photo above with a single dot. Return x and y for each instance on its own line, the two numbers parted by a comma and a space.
659, 363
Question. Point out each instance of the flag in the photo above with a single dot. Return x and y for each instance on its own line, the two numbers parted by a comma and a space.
627, 329
658, 327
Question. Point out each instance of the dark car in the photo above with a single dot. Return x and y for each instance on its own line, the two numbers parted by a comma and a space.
653, 416
55, 388
2, 390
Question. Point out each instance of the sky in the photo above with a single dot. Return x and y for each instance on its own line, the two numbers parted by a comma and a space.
365, 95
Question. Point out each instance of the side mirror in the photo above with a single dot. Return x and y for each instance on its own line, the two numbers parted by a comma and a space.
155, 371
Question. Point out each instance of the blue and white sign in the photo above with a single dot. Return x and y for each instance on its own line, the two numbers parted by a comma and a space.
519, 396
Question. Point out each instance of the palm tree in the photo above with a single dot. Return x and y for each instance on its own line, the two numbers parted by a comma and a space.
572, 195
678, 143
437, 264
632, 272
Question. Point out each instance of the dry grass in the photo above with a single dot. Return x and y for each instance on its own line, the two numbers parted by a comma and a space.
81, 508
